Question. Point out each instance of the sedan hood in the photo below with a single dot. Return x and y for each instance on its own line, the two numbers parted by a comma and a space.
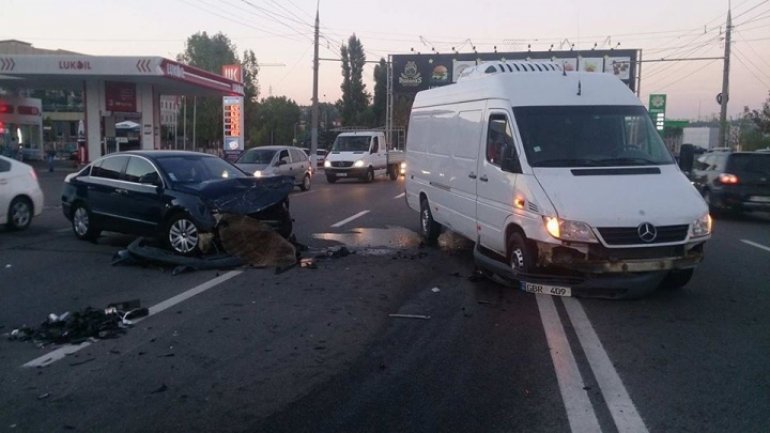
251, 168
243, 196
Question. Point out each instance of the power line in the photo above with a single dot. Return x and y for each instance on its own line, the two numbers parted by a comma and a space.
740, 56
685, 77
753, 50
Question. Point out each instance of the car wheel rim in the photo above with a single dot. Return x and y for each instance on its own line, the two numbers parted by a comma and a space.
20, 214
517, 260
80, 221
307, 182
425, 220
183, 236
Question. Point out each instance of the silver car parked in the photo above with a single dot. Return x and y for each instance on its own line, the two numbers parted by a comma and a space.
269, 161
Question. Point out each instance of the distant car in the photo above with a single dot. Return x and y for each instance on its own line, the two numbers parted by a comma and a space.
270, 161
735, 181
20, 195
172, 195
320, 157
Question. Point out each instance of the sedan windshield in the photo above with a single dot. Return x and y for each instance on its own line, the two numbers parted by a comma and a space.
580, 136
256, 156
351, 144
196, 169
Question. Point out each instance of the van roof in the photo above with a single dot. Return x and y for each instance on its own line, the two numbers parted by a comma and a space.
541, 87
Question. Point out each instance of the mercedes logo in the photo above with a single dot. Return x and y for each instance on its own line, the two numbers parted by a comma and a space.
647, 232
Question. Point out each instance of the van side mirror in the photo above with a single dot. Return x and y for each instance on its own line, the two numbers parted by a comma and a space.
510, 163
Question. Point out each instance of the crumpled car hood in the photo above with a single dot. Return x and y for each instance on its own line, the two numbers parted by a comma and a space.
242, 196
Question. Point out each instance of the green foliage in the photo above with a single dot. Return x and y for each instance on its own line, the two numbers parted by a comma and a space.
355, 100
277, 119
210, 53
380, 93
756, 135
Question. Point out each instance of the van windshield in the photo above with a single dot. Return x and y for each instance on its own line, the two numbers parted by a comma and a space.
351, 144
583, 136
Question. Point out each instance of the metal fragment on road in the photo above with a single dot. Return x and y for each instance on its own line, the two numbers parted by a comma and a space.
409, 316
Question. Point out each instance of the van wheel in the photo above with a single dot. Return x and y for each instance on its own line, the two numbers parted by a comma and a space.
331, 178
305, 183
19, 214
520, 255
676, 279
429, 229
369, 175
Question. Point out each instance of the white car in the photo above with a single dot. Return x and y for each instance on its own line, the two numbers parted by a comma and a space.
20, 195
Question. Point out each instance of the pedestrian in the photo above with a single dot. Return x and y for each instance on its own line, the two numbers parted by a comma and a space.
50, 154
20, 153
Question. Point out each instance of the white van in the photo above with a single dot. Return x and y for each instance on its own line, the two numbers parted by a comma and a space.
560, 179
362, 155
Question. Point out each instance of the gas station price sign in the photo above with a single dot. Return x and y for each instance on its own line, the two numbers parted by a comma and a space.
232, 109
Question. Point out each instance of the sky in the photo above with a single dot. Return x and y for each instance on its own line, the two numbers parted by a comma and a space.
280, 32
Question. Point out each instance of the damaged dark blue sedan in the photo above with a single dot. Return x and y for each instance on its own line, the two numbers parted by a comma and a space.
175, 196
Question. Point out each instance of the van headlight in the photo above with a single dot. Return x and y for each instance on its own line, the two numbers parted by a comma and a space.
327, 164
701, 227
573, 231
359, 163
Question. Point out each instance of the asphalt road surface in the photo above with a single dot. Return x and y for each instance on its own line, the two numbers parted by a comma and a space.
317, 350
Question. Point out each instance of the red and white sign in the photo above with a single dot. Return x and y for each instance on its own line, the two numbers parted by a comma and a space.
120, 96
233, 72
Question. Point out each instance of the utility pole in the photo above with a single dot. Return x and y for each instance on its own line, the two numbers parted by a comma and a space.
723, 129
314, 114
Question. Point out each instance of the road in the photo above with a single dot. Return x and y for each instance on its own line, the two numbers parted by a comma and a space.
316, 350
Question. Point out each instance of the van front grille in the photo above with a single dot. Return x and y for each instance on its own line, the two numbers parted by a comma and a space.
342, 164
631, 236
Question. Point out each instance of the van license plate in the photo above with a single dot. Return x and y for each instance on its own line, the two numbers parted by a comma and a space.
342, 174
759, 199
543, 289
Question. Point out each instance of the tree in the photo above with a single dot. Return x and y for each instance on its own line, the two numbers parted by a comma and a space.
755, 127
210, 53
277, 120
355, 99
380, 92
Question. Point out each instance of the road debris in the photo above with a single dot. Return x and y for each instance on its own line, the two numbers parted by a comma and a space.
255, 242
409, 316
80, 326
160, 389
435, 290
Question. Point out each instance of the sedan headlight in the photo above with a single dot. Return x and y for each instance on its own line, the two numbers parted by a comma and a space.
573, 231
701, 227
258, 173
359, 163
327, 164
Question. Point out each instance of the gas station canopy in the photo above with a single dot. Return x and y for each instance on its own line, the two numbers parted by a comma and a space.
168, 77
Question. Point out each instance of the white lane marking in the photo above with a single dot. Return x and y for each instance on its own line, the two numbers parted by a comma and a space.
754, 244
399, 196
69, 349
623, 411
347, 220
580, 412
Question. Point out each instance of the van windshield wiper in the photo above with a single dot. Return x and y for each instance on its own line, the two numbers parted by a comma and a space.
566, 162
627, 161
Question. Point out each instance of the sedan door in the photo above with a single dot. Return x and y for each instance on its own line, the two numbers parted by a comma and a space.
144, 200
106, 192
6, 188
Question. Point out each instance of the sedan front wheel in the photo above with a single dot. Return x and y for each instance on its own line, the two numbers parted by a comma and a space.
182, 235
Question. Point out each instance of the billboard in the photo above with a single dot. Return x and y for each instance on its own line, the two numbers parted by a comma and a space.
415, 72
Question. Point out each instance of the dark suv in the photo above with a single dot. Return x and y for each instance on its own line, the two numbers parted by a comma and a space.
736, 181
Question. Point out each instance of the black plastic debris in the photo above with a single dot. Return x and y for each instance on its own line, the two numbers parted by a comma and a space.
79, 326
139, 252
